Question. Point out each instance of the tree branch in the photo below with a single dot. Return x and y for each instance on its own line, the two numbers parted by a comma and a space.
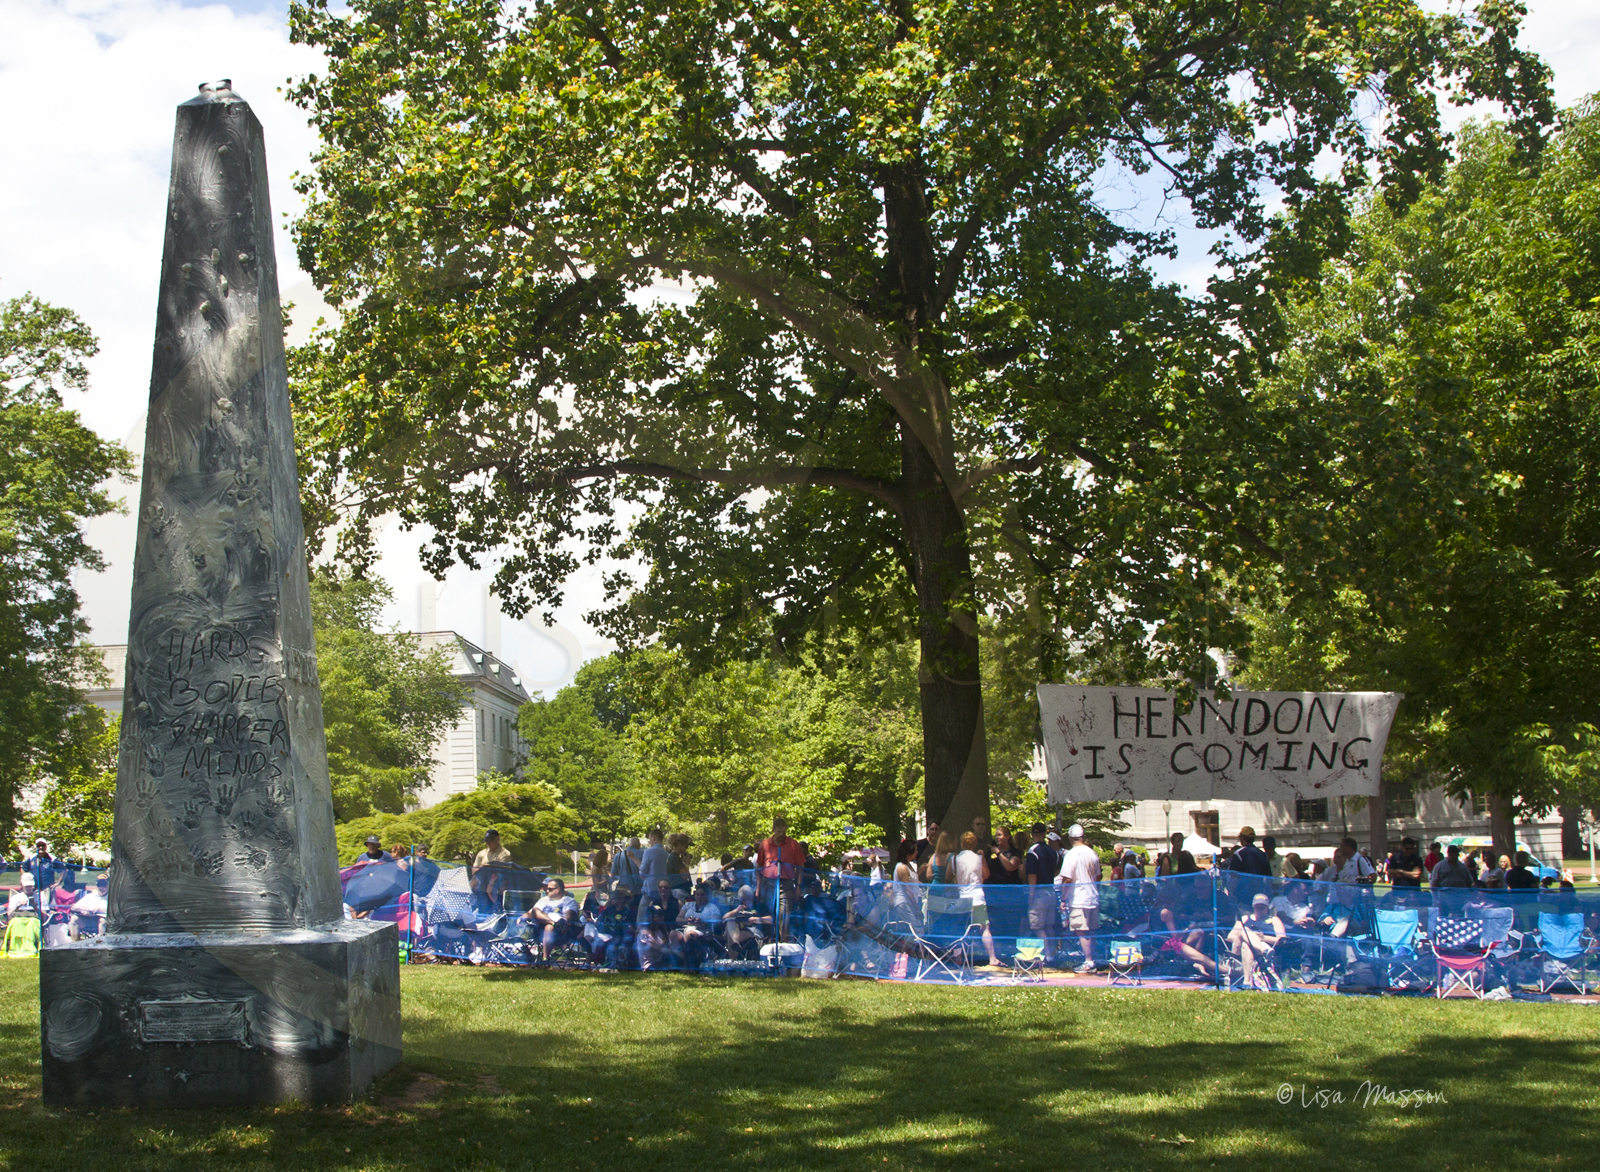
912, 388
967, 235
992, 468
757, 180
778, 477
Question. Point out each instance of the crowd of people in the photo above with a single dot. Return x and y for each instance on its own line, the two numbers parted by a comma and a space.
55, 901
647, 907
1248, 911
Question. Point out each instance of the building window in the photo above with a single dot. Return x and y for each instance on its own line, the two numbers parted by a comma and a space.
1480, 805
1400, 806
1207, 825
480, 724
1311, 810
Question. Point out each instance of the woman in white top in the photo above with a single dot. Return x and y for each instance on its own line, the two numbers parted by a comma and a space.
971, 871
1494, 874
905, 898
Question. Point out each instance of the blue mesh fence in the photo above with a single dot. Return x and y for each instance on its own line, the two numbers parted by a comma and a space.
1228, 930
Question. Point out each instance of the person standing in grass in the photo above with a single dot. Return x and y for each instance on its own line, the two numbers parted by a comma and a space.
905, 907
1039, 870
1080, 876
1405, 865
937, 872
599, 866
970, 873
656, 861
1007, 897
1450, 871
1167, 861
1249, 859
780, 860
492, 851
1521, 877
625, 866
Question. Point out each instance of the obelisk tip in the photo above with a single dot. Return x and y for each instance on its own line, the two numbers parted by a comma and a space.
220, 90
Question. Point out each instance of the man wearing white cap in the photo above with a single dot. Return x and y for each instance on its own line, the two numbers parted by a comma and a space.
26, 898
1080, 872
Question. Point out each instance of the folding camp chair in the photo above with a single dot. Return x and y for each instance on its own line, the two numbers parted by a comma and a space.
1125, 960
949, 957
1132, 909
1459, 953
1027, 962
1322, 957
1393, 946
1565, 947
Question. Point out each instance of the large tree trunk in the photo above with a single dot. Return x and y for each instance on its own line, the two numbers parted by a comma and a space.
1571, 836
955, 757
1378, 821
1502, 829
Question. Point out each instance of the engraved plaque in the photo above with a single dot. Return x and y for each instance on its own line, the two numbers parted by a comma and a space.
193, 1021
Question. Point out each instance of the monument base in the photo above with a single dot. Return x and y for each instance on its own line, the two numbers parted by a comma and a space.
214, 1020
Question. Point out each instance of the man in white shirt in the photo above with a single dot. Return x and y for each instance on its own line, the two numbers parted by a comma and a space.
26, 898
88, 913
1293, 906
1080, 872
555, 915
1357, 868
697, 924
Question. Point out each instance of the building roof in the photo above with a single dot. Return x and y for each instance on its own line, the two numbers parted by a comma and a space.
477, 666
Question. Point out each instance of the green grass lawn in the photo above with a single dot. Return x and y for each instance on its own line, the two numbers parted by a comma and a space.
517, 1069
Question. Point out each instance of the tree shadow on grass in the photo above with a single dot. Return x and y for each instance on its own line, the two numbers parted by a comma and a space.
578, 1071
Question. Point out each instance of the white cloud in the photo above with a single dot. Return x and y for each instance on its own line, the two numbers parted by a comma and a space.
89, 89
1566, 33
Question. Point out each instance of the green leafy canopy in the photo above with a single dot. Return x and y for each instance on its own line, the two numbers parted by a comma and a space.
1451, 361
815, 308
53, 477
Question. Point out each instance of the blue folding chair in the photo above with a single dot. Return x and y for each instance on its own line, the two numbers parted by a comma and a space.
1393, 946
1565, 946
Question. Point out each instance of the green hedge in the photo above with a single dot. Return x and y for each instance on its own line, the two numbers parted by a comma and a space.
533, 824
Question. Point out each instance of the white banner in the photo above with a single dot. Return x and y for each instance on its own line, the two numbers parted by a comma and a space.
1132, 743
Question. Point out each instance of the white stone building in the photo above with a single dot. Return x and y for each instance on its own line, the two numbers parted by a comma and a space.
1324, 821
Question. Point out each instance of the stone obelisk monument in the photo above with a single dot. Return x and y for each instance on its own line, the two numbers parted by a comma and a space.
227, 974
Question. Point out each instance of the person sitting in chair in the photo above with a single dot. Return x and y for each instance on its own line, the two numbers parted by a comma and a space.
658, 912
1255, 938
1181, 937
697, 927
744, 926
555, 917
612, 944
